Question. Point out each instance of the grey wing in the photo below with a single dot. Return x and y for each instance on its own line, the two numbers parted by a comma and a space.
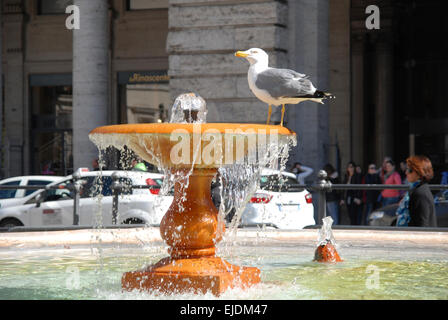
284, 83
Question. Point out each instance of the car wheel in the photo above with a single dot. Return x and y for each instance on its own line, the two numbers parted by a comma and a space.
10, 223
133, 221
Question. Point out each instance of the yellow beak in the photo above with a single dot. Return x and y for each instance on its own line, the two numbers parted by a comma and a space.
241, 54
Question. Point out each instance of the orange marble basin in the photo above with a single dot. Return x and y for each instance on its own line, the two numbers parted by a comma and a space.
207, 145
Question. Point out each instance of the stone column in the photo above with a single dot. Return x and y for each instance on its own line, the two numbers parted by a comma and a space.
308, 53
357, 114
203, 37
384, 99
339, 82
90, 78
13, 142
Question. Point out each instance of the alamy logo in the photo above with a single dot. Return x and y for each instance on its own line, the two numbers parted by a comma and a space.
73, 20
212, 147
373, 21
72, 281
373, 278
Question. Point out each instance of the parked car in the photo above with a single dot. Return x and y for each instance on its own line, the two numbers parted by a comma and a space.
386, 216
55, 207
279, 203
10, 197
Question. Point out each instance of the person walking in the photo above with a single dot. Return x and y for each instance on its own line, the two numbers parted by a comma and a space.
390, 196
333, 197
352, 198
301, 172
372, 177
417, 207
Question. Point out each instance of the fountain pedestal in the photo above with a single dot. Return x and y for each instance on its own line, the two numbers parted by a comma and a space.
192, 227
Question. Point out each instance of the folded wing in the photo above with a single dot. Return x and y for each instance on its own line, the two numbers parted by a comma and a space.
281, 83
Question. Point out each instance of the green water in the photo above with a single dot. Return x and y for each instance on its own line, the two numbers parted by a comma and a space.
287, 273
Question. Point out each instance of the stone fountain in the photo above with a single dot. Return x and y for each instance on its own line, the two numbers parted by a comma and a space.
192, 226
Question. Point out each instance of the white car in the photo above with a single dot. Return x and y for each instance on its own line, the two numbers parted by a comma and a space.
55, 207
11, 197
279, 204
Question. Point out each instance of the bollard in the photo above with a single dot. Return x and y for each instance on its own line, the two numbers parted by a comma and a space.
116, 189
323, 186
77, 185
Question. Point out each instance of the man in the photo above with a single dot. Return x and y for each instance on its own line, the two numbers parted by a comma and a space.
301, 172
371, 177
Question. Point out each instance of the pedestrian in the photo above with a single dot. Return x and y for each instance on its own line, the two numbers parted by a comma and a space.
333, 197
47, 169
372, 177
417, 207
301, 172
383, 170
139, 166
358, 170
352, 198
95, 164
390, 196
402, 171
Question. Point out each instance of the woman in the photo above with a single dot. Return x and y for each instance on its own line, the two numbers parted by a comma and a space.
417, 207
390, 196
333, 197
353, 197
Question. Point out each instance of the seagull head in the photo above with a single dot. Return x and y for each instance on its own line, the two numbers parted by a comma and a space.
254, 55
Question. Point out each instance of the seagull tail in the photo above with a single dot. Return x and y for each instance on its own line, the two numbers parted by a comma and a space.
323, 95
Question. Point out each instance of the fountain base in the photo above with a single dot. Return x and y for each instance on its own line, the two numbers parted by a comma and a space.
198, 275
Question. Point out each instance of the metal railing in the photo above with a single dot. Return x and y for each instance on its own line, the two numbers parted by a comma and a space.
322, 186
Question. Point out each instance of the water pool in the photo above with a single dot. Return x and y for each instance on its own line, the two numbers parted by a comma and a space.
287, 272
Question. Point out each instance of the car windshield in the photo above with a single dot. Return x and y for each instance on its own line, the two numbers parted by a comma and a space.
58, 191
279, 183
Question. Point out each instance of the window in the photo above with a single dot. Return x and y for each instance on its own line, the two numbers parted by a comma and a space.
59, 194
51, 125
274, 183
145, 4
53, 6
35, 183
91, 187
144, 96
6, 194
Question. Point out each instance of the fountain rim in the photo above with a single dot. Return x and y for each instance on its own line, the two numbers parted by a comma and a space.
168, 128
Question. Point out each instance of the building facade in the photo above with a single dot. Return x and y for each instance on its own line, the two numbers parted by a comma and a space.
130, 59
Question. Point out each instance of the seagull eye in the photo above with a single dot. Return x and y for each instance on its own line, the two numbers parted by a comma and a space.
254, 51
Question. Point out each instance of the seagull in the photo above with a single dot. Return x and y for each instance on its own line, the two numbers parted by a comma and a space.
278, 86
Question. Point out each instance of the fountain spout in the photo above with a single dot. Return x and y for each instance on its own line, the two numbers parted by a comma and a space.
326, 251
189, 108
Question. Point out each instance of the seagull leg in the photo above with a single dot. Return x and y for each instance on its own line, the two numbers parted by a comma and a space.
269, 114
283, 114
